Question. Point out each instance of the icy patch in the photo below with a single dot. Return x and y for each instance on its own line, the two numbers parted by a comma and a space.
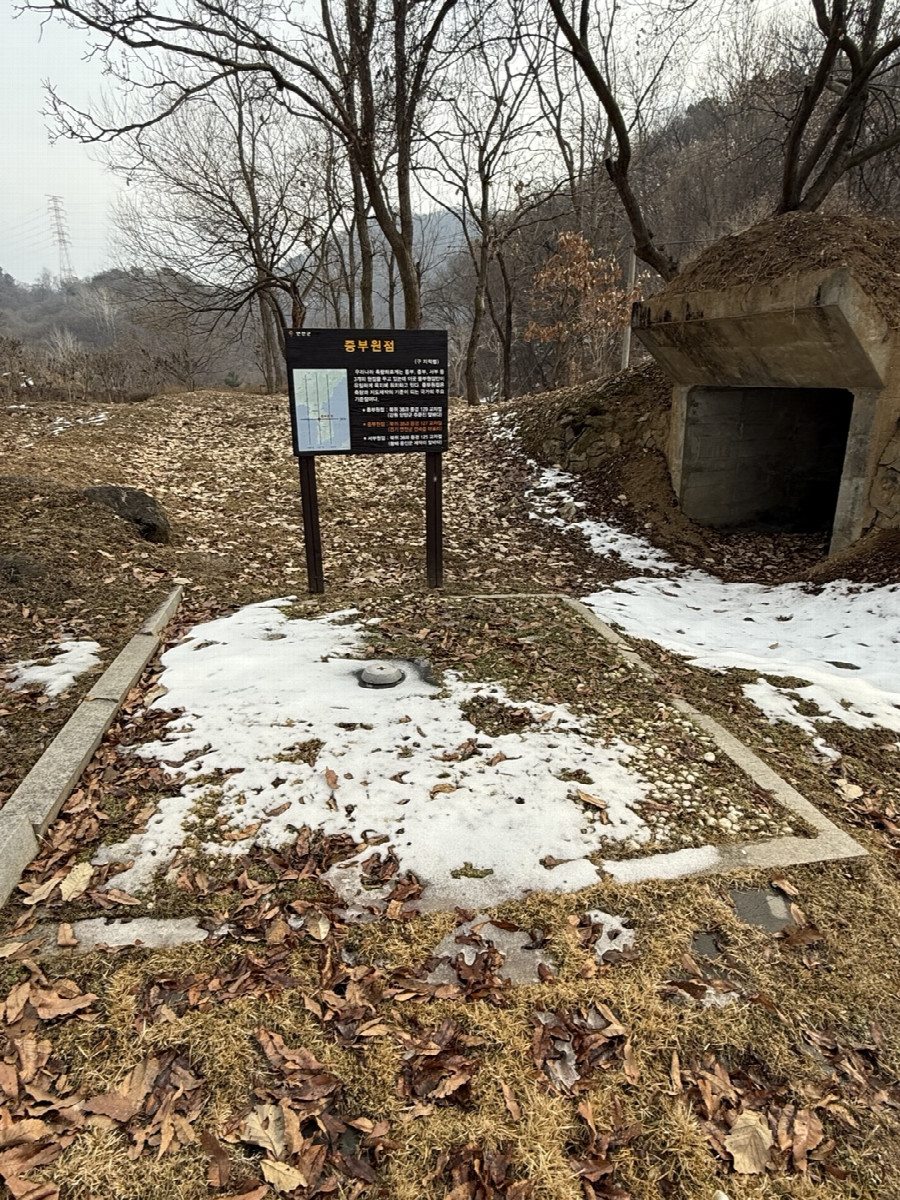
472, 816
71, 660
844, 641
553, 500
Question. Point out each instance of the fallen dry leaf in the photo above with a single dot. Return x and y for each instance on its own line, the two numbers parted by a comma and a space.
509, 1099
282, 1177
51, 1003
587, 798
43, 890
76, 882
219, 1164
114, 1105
749, 1143
264, 1126
65, 935
317, 926
629, 1063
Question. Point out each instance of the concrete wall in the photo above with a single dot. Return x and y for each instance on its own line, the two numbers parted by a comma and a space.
815, 331
764, 455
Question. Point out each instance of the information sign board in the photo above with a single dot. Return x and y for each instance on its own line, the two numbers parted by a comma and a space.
367, 391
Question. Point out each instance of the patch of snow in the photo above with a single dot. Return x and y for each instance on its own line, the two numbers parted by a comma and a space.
553, 499
844, 640
71, 660
827, 752
614, 935
778, 705
255, 686
61, 424
520, 965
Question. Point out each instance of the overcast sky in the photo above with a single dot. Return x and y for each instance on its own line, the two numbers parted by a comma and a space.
31, 168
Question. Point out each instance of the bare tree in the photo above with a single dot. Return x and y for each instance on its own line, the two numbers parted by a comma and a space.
846, 111
228, 193
669, 23
485, 149
363, 68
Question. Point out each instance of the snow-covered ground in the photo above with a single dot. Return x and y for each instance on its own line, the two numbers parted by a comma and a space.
553, 499
70, 659
844, 640
259, 691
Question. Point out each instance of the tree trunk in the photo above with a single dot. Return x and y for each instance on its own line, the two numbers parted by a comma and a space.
481, 269
366, 254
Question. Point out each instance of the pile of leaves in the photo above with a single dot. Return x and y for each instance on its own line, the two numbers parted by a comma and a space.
751, 1123
308, 1148
437, 1068
157, 1103
591, 1159
569, 1046
476, 1172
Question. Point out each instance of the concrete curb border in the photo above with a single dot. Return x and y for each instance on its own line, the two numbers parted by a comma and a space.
33, 806
829, 843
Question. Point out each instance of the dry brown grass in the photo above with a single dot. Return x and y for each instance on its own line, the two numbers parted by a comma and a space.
852, 981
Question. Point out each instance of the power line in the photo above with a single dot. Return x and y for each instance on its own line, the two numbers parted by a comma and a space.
60, 232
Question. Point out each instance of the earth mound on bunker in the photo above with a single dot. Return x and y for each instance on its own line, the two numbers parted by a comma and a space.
794, 244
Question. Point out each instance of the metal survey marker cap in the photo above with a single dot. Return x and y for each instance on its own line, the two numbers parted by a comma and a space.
381, 675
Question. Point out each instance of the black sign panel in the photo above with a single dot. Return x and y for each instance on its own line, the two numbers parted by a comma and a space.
367, 391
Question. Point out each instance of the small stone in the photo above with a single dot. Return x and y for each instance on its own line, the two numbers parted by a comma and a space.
709, 757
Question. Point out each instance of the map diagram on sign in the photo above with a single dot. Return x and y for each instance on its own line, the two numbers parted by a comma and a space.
321, 409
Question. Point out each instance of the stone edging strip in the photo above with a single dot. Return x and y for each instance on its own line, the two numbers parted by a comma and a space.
829, 843
29, 811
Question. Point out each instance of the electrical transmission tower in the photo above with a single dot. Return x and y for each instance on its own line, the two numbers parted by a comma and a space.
60, 231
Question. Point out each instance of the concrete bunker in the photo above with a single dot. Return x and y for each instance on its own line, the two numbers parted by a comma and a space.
764, 457
786, 396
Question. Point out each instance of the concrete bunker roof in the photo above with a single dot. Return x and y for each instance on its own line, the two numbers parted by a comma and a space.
802, 300
793, 245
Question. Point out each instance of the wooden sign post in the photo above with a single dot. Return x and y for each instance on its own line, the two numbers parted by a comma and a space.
367, 391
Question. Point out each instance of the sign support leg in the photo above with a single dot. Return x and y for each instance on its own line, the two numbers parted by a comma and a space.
311, 536
434, 519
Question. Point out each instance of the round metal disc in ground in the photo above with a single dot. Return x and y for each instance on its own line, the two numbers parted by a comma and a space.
381, 675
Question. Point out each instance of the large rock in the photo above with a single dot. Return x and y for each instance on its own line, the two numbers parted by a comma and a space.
133, 505
19, 568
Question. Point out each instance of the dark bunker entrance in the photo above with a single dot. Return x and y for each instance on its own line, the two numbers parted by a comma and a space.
764, 458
